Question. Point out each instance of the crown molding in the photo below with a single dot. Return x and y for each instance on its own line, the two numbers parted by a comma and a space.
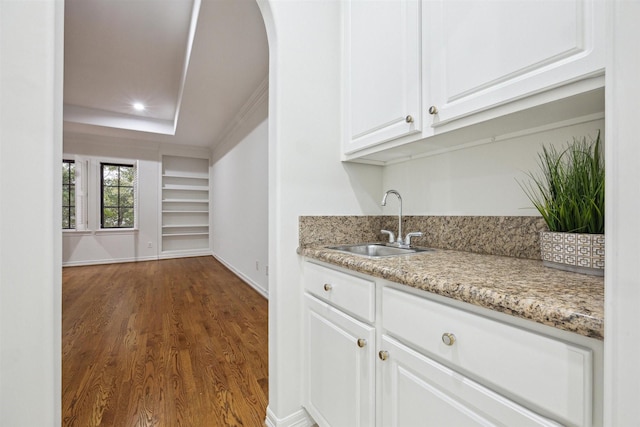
257, 99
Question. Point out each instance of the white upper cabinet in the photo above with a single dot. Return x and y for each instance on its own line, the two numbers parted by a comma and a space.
382, 71
466, 70
483, 54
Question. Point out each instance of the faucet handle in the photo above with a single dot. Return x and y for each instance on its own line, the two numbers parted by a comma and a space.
407, 239
392, 237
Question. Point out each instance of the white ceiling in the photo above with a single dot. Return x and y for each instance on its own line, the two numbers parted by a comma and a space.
193, 63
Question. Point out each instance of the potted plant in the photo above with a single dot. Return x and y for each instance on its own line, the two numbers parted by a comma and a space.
569, 194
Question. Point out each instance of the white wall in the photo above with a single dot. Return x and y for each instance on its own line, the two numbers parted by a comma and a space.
481, 180
622, 275
31, 41
239, 206
305, 173
107, 246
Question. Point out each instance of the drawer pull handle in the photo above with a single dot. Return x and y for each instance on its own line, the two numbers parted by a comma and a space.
409, 119
448, 339
327, 287
361, 342
383, 355
433, 110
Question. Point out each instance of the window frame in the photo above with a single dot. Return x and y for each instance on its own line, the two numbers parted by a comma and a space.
67, 187
101, 205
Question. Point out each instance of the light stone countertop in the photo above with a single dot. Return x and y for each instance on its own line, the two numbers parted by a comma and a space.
519, 287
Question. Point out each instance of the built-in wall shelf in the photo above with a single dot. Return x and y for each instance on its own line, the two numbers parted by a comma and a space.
185, 205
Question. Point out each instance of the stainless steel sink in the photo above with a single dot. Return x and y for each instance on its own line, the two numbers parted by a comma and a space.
377, 250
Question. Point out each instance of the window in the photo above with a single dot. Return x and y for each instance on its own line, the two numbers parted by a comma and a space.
68, 195
117, 205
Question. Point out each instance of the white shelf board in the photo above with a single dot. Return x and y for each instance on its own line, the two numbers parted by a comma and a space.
185, 226
185, 187
184, 175
204, 233
187, 212
185, 200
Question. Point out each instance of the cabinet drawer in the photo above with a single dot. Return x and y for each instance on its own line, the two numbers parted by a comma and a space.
350, 293
546, 374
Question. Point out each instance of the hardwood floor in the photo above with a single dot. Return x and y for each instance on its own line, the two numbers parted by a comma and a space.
180, 342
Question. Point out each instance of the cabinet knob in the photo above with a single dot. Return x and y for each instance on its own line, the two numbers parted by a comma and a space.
383, 355
362, 342
409, 119
433, 110
448, 339
327, 287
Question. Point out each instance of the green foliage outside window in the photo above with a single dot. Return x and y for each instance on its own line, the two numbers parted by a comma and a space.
118, 195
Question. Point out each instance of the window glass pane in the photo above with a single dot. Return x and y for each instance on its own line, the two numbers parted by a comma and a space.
110, 197
65, 218
109, 175
65, 173
110, 218
126, 217
126, 197
126, 176
65, 195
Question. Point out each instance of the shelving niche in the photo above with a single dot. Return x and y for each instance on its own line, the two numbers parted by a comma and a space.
185, 205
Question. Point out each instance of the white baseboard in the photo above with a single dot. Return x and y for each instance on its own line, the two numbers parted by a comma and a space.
297, 419
243, 277
108, 261
165, 255
184, 254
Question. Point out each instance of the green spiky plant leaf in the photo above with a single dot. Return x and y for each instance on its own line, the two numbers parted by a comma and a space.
568, 191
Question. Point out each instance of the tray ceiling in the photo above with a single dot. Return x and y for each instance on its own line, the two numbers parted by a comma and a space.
194, 64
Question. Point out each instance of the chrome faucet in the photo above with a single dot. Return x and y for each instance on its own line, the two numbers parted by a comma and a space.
392, 239
384, 203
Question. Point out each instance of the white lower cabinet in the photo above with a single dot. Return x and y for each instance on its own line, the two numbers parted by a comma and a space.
417, 391
415, 361
340, 367
551, 375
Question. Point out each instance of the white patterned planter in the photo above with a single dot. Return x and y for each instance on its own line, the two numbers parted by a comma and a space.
577, 252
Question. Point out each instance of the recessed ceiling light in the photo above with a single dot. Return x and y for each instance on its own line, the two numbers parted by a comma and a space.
138, 106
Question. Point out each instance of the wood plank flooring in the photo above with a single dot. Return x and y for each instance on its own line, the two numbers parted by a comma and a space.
179, 342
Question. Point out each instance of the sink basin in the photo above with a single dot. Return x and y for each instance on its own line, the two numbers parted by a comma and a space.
377, 250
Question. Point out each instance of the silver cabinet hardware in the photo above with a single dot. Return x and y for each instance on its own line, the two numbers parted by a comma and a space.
448, 339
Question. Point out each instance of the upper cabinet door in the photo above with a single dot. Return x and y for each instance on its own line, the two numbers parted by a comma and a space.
483, 54
382, 71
